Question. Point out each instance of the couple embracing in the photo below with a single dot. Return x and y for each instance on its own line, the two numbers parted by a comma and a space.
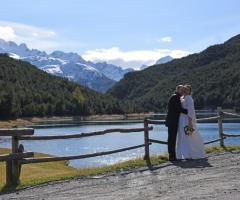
184, 140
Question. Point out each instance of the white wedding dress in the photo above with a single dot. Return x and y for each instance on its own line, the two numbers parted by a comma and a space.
189, 146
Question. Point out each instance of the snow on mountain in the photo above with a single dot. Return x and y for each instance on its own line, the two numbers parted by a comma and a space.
143, 67
72, 57
112, 71
164, 60
15, 56
52, 69
99, 76
158, 62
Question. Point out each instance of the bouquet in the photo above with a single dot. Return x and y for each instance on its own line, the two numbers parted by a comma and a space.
188, 130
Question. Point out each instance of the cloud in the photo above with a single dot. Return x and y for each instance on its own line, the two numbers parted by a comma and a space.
49, 40
165, 39
35, 37
7, 33
133, 59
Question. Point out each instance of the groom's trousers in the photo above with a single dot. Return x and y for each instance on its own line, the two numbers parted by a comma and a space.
172, 137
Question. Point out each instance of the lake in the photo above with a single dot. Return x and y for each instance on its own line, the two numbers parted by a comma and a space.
209, 131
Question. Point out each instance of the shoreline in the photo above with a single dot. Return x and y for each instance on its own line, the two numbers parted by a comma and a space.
21, 122
30, 121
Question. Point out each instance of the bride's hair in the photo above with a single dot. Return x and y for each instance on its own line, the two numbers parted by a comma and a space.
189, 87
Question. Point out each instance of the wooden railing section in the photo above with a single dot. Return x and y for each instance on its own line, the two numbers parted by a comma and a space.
18, 157
219, 118
13, 167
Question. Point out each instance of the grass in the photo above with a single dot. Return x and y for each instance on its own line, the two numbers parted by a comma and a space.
14, 123
34, 174
218, 148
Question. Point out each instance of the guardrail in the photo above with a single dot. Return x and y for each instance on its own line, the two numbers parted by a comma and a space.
18, 157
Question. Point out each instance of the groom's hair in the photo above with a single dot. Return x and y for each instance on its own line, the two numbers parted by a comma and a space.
178, 86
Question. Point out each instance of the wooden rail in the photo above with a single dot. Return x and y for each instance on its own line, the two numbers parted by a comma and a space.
17, 157
151, 121
230, 135
207, 119
81, 135
158, 141
51, 159
231, 114
213, 141
16, 132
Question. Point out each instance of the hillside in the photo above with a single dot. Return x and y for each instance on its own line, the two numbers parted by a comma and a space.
27, 91
214, 74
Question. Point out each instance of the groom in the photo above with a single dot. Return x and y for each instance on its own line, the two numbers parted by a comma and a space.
174, 109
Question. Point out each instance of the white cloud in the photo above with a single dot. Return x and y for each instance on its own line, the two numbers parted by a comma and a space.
35, 37
133, 59
48, 40
165, 39
7, 33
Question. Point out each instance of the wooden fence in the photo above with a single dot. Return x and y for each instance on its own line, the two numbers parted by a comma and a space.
18, 157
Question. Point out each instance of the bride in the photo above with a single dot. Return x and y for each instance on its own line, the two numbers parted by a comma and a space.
190, 144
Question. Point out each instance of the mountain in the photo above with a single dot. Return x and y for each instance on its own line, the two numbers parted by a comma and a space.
164, 60
27, 91
99, 77
143, 67
214, 74
158, 62
112, 71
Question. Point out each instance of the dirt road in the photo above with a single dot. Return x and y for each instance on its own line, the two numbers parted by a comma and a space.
217, 177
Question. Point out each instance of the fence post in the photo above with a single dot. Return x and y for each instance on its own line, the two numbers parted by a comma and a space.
220, 126
9, 172
15, 163
146, 140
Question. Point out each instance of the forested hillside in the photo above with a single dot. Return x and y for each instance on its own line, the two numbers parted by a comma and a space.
27, 91
214, 74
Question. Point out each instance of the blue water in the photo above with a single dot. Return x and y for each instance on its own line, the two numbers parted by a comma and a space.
209, 131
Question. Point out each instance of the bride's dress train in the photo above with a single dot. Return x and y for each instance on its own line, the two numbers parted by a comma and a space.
189, 146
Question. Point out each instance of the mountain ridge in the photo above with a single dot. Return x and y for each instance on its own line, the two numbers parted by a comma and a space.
70, 65
149, 89
164, 60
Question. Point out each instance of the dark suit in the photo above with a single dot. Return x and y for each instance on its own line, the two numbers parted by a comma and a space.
174, 109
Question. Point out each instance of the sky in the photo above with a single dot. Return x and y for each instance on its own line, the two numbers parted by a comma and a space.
128, 33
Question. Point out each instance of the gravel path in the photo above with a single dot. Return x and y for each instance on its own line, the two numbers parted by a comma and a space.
217, 177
